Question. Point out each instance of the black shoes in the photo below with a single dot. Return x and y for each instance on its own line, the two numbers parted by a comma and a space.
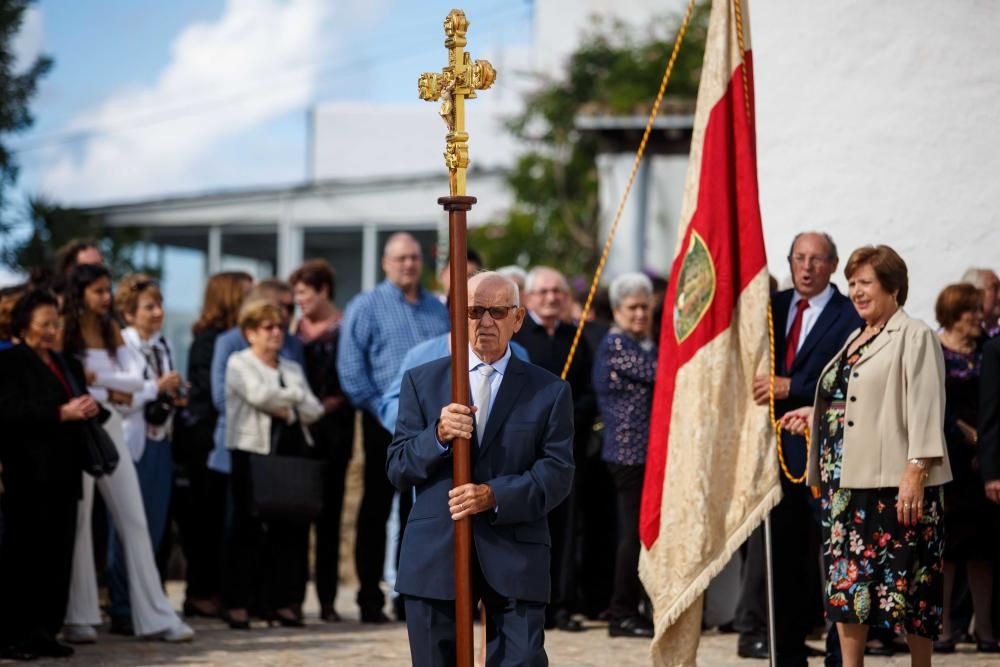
987, 645
236, 623
286, 618
122, 625
18, 653
374, 616
328, 614
633, 626
753, 648
49, 648
563, 620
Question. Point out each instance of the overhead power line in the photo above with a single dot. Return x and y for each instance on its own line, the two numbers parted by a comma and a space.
260, 87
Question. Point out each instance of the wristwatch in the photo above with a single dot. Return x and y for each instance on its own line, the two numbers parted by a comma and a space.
920, 463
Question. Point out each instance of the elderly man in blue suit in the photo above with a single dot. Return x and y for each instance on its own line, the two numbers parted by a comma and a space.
521, 429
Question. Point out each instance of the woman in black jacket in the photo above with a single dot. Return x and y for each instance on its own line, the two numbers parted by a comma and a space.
199, 506
41, 448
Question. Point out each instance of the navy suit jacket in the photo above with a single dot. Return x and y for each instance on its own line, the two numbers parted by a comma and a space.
835, 324
527, 459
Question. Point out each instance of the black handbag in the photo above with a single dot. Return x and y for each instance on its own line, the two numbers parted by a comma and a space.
99, 454
286, 484
287, 487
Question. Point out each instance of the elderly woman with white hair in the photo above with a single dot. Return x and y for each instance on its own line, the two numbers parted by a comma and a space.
624, 370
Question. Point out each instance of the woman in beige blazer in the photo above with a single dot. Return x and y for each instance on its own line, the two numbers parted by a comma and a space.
267, 401
878, 453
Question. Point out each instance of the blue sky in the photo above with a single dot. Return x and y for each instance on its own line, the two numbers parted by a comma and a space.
155, 98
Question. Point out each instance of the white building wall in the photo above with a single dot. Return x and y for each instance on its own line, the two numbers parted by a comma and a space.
877, 122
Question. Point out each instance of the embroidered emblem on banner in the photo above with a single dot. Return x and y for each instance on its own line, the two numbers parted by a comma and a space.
695, 288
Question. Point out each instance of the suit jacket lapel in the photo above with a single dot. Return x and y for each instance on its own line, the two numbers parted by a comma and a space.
884, 338
510, 388
779, 313
831, 313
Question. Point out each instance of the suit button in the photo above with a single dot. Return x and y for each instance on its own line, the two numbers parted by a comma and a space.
856, 375
850, 423
853, 398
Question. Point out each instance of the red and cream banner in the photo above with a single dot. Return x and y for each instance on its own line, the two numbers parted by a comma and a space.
711, 475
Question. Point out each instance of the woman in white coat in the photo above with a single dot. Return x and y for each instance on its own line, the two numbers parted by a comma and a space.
268, 403
114, 376
139, 301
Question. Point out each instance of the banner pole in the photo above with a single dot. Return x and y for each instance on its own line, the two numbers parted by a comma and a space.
769, 567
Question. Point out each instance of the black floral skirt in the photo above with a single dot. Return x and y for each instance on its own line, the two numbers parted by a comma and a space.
878, 572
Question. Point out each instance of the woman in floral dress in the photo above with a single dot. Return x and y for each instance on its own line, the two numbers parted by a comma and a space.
878, 455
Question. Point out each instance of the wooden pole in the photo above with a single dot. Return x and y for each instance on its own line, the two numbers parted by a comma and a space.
458, 296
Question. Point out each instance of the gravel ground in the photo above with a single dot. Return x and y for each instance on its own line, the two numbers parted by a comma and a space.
350, 643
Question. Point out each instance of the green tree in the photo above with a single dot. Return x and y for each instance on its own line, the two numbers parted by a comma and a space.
554, 219
16, 91
52, 226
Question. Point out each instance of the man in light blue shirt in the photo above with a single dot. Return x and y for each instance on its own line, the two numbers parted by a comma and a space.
379, 328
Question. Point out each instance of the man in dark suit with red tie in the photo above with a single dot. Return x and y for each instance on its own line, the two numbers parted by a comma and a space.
811, 323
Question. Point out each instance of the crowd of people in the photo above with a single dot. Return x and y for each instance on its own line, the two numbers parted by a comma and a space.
894, 425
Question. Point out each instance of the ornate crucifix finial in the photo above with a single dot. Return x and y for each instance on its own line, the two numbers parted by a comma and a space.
457, 82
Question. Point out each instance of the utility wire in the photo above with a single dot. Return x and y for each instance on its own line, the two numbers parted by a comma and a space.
325, 73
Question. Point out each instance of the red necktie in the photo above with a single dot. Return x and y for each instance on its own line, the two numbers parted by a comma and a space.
792, 343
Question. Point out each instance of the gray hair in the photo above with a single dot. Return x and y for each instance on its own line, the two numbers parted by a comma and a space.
629, 284
976, 276
515, 273
831, 246
529, 280
482, 276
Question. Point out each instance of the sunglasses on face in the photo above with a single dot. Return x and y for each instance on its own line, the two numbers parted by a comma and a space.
496, 312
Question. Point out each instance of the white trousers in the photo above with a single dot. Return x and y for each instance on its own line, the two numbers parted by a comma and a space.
151, 610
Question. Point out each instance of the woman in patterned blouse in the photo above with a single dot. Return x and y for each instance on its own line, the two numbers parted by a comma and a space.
624, 369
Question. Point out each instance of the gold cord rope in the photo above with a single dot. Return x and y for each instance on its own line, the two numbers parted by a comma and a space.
628, 187
776, 424
770, 315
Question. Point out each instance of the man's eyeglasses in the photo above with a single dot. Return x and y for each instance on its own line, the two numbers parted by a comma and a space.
802, 260
496, 312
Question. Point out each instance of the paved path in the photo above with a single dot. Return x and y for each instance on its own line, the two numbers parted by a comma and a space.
352, 644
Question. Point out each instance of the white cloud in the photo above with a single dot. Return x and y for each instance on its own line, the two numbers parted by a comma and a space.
27, 43
260, 60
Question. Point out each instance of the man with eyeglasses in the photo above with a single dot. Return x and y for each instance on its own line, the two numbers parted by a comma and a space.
811, 323
378, 329
548, 340
521, 431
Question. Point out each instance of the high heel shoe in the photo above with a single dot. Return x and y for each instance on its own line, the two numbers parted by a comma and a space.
202, 608
235, 624
287, 620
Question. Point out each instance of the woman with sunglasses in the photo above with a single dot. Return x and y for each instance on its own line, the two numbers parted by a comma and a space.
268, 405
114, 376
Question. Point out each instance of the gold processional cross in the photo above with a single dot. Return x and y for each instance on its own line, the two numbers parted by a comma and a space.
457, 82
